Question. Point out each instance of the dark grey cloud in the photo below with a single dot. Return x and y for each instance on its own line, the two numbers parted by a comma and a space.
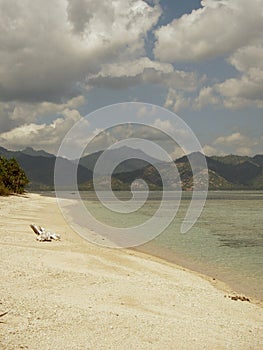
79, 13
46, 48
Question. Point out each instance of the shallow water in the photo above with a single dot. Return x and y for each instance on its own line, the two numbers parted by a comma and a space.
225, 243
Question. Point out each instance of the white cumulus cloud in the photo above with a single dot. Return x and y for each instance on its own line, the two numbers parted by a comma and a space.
219, 27
40, 136
143, 70
235, 143
245, 90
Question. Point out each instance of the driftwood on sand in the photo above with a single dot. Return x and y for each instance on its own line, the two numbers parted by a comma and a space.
3, 314
43, 235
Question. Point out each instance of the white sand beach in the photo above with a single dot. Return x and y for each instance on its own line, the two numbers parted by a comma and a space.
70, 294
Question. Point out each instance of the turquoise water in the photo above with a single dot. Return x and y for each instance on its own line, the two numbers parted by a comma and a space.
226, 242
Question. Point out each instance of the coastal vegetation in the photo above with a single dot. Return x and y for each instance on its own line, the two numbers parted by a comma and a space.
12, 177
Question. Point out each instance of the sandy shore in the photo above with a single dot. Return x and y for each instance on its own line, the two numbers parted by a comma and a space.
74, 295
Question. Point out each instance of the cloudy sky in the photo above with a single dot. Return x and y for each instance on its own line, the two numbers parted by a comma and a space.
63, 59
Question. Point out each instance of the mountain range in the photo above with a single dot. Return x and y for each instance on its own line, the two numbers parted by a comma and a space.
225, 172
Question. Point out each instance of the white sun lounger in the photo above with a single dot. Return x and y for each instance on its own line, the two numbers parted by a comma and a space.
43, 235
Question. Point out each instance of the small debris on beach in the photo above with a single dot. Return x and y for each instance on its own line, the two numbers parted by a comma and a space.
238, 297
3, 314
43, 235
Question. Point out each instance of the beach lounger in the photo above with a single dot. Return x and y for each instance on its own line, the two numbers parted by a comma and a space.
43, 235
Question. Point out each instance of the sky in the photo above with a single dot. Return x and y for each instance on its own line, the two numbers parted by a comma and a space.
63, 59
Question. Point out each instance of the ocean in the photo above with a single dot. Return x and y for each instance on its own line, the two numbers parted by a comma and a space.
226, 243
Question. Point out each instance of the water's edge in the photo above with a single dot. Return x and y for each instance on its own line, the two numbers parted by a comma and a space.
220, 270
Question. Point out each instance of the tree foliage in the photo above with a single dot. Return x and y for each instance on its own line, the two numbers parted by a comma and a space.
12, 177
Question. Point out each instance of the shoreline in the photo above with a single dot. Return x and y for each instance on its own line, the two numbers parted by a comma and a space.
74, 287
165, 255
215, 281
147, 255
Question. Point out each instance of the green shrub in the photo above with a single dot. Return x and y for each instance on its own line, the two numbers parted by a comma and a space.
12, 177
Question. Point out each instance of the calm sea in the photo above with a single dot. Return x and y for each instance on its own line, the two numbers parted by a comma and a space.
226, 242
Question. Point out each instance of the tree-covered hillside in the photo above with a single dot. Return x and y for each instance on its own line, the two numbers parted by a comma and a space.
12, 177
231, 172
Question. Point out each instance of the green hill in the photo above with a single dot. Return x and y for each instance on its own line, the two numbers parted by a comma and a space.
39, 167
231, 172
